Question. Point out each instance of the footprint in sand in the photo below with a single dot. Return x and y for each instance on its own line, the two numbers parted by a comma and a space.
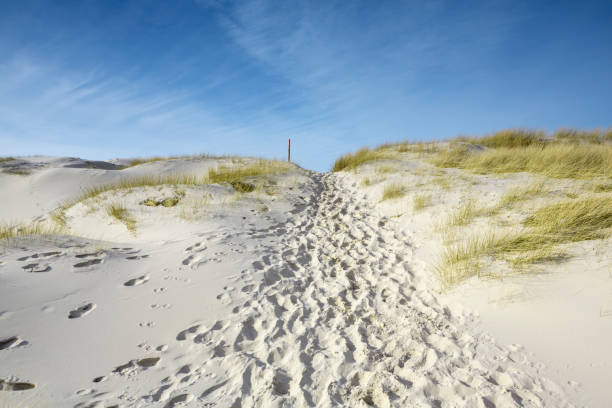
44, 255
15, 386
180, 400
88, 263
12, 342
89, 255
159, 290
198, 247
81, 311
36, 268
136, 365
137, 281
146, 324
135, 257
164, 306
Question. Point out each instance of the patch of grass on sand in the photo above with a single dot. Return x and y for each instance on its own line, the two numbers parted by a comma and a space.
420, 202
353, 160
16, 171
143, 160
386, 169
510, 138
121, 214
518, 194
463, 215
393, 190
58, 216
580, 161
6, 159
222, 174
31, 230
552, 225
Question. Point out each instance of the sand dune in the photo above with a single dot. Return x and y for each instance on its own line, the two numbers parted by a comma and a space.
308, 297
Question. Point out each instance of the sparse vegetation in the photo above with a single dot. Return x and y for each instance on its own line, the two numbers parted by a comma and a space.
560, 223
393, 190
518, 194
16, 171
463, 214
6, 159
223, 174
9, 232
517, 151
352, 161
144, 160
121, 214
420, 202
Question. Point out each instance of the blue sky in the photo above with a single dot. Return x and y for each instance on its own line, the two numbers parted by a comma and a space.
104, 79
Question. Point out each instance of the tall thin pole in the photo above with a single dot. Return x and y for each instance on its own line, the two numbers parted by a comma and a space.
289, 151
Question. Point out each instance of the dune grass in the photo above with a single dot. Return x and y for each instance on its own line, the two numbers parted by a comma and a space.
420, 202
6, 159
353, 160
121, 214
519, 194
222, 174
13, 231
143, 160
508, 138
463, 215
554, 160
552, 225
393, 191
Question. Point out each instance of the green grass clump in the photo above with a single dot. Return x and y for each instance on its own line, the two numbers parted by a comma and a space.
463, 215
139, 161
518, 194
354, 160
9, 232
510, 138
582, 136
393, 190
222, 174
17, 172
420, 202
6, 159
550, 226
121, 214
574, 220
554, 160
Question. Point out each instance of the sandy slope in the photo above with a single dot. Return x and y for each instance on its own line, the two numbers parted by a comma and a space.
317, 303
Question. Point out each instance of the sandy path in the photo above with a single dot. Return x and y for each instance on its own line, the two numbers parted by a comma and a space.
339, 319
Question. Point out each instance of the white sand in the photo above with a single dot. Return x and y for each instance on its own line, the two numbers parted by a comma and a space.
310, 297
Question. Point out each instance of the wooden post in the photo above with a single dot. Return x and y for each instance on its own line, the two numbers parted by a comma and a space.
289, 151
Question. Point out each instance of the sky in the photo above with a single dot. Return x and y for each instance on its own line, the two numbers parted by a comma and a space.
108, 78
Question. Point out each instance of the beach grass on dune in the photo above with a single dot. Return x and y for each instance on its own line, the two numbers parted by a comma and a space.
393, 190
121, 214
548, 227
143, 160
420, 202
353, 160
221, 174
9, 232
555, 160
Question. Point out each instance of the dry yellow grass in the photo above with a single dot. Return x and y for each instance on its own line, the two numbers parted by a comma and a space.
420, 202
352, 161
554, 160
567, 221
222, 174
9, 232
121, 214
393, 190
